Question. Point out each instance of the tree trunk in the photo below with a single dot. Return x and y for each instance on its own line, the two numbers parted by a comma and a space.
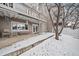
75, 23
62, 26
57, 22
56, 32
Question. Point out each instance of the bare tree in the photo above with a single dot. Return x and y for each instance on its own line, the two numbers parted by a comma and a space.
57, 15
62, 13
76, 18
57, 21
73, 15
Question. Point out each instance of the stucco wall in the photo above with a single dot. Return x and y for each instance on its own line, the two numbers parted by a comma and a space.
4, 24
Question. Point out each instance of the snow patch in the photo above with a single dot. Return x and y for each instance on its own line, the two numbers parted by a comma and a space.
66, 46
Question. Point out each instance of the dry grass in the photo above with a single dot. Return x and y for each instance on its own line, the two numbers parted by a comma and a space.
4, 42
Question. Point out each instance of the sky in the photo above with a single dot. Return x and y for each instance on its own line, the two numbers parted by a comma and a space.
40, 1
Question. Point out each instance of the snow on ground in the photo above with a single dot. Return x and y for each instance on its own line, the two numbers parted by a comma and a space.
66, 46
24, 43
69, 31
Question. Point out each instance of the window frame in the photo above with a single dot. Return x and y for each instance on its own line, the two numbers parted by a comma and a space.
8, 4
20, 26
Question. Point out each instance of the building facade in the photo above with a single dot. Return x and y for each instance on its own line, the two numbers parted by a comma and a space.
23, 18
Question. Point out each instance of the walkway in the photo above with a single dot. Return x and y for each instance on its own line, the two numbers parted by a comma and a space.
66, 46
24, 43
71, 32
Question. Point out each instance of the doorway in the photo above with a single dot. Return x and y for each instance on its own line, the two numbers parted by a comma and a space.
34, 28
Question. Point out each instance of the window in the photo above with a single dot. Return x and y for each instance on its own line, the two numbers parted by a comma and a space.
5, 4
21, 26
33, 28
36, 28
14, 27
8, 4
27, 11
11, 5
26, 26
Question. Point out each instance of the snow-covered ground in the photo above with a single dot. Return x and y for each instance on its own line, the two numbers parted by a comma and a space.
24, 43
69, 31
67, 45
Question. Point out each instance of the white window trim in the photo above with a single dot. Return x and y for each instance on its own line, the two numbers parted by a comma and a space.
18, 25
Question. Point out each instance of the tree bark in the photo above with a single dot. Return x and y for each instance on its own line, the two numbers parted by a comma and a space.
75, 23
57, 22
62, 27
